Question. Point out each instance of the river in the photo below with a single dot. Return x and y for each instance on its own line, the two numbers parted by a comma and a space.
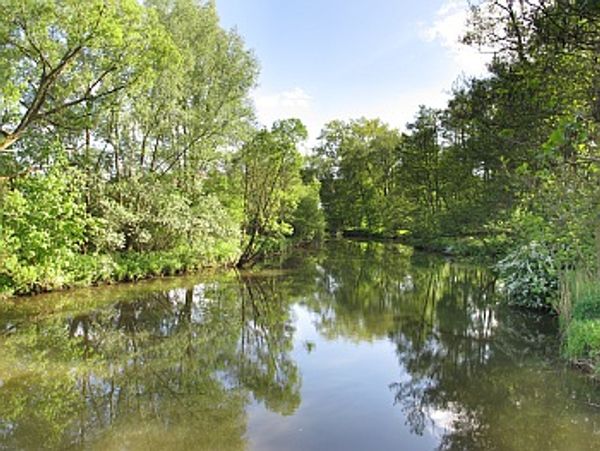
358, 346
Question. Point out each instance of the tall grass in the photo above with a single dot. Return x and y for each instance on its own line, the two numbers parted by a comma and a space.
579, 309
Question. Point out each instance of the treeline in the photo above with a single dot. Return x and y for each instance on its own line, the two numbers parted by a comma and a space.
511, 166
435, 180
128, 146
512, 153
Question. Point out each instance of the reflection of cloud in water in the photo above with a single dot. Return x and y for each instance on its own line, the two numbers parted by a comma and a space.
442, 421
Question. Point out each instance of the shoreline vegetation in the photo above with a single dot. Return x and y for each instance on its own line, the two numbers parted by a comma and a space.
96, 270
129, 148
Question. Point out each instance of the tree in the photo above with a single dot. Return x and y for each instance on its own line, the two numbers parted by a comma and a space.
196, 106
357, 164
61, 61
269, 168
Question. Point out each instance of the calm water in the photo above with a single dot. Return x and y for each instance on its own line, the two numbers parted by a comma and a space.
358, 347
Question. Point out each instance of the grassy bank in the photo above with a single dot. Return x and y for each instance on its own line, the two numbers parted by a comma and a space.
87, 270
579, 310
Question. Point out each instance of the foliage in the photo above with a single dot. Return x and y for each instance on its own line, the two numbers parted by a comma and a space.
43, 224
62, 60
308, 219
151, 213
48, 240
270, 179
530, 276
194, 106
580, 314
587, 306
583, 340
355, 164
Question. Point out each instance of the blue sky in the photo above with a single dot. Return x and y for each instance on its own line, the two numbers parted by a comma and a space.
341, 59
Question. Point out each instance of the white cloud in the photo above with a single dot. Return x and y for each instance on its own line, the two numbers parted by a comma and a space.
294, 100
447, 28
444, 30
291, 103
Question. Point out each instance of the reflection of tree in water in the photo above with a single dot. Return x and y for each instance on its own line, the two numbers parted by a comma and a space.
469, 367
265, 366
166, 370
481, 393
359, 289
474, 368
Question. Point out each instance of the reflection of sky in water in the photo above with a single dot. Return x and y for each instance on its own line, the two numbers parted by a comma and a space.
345, 398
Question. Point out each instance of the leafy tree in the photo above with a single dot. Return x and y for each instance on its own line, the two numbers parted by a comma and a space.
269, 171
196, 105
61, 61
357, 165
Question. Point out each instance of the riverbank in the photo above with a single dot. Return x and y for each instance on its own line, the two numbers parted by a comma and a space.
85, 270
467, 246
579, 311
82, 270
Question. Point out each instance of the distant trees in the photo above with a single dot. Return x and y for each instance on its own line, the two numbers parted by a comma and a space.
513, 153
428, 181
356, 163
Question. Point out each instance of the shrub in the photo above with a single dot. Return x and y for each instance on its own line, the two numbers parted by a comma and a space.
154, 214
530, 277
43, 223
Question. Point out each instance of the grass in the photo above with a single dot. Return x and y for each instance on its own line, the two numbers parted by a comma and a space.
579, 309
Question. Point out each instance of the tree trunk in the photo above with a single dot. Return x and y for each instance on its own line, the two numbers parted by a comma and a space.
8, 140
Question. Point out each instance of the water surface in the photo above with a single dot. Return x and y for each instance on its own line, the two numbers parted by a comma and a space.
361, 346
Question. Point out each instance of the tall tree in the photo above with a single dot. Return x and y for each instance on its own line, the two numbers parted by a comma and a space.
270, 178
197, 104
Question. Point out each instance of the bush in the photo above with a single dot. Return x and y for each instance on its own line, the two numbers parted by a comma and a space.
530, 277
43, 223
154, 214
